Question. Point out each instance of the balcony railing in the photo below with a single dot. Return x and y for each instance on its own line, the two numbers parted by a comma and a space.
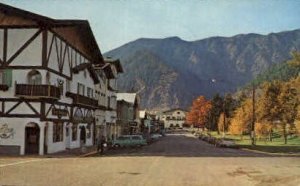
82, 100
37, 91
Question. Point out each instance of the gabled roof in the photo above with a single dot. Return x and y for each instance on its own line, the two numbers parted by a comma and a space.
128, 97
172, 110
116, 63
15, 17
108, 71
90, 68
80, 67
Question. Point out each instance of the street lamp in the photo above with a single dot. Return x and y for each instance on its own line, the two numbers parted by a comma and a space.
214, 81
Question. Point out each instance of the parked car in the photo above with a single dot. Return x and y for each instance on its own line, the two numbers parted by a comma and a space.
226, 143
205, 138
212, 140
155, 136
129, 140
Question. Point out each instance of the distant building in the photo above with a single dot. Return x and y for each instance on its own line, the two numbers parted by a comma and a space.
174, 118
150, 123
128, 113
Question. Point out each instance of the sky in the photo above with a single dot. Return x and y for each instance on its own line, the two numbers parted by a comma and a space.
116, 22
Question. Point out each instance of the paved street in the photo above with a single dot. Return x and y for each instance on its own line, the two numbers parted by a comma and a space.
173, 160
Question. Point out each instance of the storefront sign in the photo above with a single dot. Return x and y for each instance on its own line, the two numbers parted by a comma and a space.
6, 132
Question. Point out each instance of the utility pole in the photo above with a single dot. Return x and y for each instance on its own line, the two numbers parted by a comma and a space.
253, 116
224, 117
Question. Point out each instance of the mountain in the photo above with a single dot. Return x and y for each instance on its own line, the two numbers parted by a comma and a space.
171, 72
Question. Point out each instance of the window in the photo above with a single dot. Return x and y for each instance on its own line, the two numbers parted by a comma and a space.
60, 83
97, 95
84, 73
108, 102
57, 132
67, 131
123, 138
78, 116
1, 77
6, 77
74, 132
88, 131
68, 85
34, 77
80, 89
90, 92
48, 78
136, 137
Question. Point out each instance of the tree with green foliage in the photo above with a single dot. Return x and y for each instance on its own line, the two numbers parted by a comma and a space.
295, 61
288, 103
268, 106
229, 105
217, 108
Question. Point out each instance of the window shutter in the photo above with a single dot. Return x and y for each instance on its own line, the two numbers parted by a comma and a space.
8, 77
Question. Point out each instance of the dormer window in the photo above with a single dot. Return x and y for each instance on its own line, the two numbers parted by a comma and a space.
90, 92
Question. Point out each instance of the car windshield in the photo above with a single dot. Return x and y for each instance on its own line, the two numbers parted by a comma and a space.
123, 138
136, 137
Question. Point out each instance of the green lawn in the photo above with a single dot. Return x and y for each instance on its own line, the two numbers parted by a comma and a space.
276, 146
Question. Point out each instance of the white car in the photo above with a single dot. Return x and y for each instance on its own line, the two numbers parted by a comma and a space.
155, 136
226, 143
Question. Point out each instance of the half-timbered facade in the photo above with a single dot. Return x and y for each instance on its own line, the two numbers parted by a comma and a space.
106, 121
47, 83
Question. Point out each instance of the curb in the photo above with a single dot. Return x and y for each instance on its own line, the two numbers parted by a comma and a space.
88, 154
271, 153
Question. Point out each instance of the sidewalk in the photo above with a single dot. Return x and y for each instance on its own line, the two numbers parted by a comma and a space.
77, 152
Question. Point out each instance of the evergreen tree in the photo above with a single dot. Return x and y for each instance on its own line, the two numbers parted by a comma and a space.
216, 110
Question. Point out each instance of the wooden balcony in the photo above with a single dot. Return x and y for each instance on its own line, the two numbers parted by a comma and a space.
82, 100
37, 91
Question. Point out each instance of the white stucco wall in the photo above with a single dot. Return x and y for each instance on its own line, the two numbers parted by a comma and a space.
18, 139
32, 56
179, 116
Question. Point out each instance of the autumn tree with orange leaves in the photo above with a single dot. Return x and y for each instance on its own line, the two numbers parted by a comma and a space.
199, 112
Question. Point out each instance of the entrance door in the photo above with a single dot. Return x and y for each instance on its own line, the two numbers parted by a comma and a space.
32, 138
68, 137
46, 140
82, 135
